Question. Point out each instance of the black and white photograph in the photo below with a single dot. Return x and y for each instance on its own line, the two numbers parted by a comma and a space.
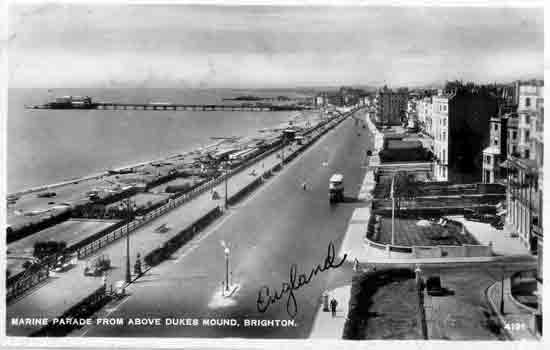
273, 171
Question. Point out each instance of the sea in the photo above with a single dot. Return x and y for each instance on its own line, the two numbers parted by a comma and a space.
50, 146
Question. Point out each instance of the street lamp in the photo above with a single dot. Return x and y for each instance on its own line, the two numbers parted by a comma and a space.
417, 272
392, 195
226, 253
225, 168
283, 151
502, 292
226, 176
129, 216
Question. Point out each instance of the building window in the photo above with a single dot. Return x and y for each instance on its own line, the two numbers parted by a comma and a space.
527, 119
496, 127
514, 135
527, 102
495, 142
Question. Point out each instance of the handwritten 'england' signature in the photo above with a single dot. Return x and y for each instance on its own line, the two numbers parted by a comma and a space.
266, 298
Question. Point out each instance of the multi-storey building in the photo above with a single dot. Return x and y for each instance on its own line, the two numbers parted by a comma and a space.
412, 113
460, 127
424, 111
440, 133
536, 226
391, 106
496, 152
524, 197
321, 100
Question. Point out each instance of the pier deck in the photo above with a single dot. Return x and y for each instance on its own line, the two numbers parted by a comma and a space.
181, 107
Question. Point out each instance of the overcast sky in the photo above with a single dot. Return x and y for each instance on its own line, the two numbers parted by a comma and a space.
212, 46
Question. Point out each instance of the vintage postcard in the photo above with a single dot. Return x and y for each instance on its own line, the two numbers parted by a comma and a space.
273, 172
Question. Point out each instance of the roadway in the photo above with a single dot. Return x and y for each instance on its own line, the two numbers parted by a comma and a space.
276, 226
464, 313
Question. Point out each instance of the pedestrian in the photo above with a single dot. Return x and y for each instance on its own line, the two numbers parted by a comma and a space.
333, 304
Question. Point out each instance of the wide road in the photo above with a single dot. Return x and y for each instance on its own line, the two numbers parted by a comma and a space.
278, 225
464, 313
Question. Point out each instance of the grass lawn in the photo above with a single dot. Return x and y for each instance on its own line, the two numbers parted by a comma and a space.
395, 312
384, 305
408, 233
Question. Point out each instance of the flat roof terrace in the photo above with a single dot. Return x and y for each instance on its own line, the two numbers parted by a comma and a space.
419, 154
419, 232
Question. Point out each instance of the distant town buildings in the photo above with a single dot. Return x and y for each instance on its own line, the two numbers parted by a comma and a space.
345, 96
391, 106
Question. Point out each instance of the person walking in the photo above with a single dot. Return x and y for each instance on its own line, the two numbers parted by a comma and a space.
333, 304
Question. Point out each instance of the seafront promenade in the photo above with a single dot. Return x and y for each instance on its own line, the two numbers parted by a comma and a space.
54, 297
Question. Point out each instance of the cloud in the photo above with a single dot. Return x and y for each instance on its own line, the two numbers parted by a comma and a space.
213, 46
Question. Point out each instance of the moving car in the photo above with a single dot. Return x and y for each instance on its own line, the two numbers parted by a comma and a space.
433, 286
473, 215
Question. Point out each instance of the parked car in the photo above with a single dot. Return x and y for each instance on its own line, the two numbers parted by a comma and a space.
97, 266
498, 223
46, 194
433, 286
472, 215
162, 228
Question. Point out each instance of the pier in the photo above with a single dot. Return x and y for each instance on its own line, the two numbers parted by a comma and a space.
180, 107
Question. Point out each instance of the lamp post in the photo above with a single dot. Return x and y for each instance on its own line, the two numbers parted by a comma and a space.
392, 194
129, 216
283, 151
226, 176
226, 252
502, 292
417, 272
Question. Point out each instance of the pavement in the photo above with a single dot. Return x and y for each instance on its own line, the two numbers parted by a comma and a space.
278, 225
327, 326
502, 240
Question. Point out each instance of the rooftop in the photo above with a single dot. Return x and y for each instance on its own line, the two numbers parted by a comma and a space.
418, 154
400, 144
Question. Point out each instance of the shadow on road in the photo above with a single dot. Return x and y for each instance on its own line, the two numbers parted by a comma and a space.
351, 200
